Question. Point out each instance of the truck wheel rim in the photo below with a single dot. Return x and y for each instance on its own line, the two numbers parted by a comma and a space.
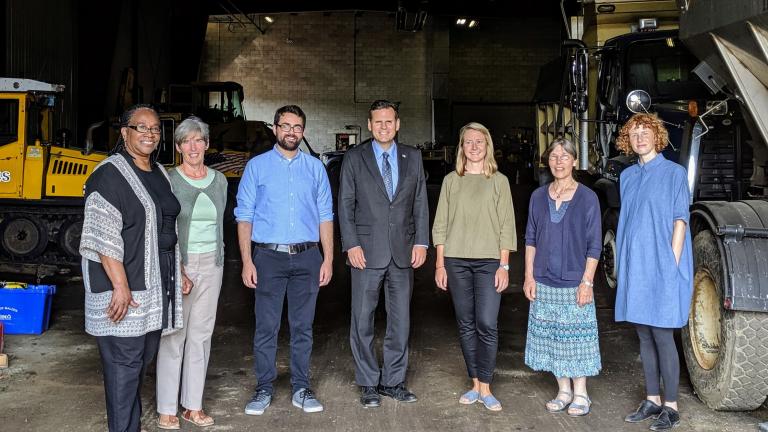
609, 258
704, 319
21, 237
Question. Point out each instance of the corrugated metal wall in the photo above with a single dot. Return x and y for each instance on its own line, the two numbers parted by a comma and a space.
40, 44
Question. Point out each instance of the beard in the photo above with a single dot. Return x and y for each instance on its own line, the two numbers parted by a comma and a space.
286, 145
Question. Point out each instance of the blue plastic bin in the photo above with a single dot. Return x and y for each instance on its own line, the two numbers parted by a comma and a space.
26, 310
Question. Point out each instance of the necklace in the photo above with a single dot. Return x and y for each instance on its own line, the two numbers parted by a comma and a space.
563, 190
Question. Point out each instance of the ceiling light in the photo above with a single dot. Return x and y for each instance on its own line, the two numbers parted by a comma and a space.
269, 19
473, 23
461, 21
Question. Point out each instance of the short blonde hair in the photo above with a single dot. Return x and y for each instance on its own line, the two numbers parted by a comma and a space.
489, 164
648, 121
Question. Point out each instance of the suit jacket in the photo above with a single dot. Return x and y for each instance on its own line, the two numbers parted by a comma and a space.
385, 230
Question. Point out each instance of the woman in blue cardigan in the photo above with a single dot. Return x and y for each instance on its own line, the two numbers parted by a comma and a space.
562, 248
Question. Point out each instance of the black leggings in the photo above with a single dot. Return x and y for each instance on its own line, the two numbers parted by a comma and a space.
659, 353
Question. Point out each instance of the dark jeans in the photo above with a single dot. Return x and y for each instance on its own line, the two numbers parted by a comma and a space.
297, 276
124, 361
659, 354
471, 284
366, 286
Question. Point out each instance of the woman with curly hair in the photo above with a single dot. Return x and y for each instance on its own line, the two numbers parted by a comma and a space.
654, 262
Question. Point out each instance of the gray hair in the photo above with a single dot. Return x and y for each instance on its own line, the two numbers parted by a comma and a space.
189, 126
567, 146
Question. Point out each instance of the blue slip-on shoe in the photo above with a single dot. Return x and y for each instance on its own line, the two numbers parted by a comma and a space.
469, 397
259, 403
491, 402
305, 399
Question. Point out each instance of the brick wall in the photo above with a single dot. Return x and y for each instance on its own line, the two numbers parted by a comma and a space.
334, 65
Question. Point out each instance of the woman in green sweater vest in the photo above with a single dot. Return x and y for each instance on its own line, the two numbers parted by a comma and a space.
183, 356
474, 231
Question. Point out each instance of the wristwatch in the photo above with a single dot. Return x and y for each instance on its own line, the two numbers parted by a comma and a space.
504, 266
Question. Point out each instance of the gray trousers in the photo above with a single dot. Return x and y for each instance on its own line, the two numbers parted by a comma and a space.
398, 287
183, 356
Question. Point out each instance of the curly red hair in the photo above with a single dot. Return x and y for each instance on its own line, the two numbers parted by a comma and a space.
648, 121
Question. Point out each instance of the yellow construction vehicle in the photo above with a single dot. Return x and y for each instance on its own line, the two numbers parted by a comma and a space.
41, 181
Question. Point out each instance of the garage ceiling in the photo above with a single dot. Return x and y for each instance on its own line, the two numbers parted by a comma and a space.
474, 8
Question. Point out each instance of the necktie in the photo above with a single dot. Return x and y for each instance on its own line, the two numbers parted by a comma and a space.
386, 172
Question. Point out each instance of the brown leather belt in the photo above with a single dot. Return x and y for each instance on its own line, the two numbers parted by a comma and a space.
290, 249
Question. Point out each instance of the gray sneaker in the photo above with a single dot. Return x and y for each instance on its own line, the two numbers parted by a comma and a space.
259, 403
305, 399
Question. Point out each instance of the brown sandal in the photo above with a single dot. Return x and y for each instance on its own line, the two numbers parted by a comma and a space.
199, 419
171, 424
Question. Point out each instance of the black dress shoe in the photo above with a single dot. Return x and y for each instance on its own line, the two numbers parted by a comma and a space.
646, 410
668, 419
369, 397
398, 393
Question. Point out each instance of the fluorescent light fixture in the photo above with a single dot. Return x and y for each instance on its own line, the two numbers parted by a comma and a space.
269, 19
473, 23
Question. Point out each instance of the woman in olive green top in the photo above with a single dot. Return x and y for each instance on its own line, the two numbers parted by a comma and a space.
183, 356
474, 232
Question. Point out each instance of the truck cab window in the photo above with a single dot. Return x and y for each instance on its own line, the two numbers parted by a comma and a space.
663, 68
9, 121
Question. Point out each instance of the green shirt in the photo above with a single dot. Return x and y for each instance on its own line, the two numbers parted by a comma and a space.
475, 217
200, 222
202, 226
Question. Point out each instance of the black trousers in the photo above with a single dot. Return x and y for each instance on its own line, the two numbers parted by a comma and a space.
398, 287
125, 361
659, 354
471, 284
297, 278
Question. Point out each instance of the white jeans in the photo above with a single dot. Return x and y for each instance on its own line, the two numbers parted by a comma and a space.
183, 356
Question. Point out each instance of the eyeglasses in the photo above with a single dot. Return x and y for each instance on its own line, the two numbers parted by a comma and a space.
155, 130
562, 158
285, 127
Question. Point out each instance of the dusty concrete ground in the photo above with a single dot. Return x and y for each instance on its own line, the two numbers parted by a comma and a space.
55, 382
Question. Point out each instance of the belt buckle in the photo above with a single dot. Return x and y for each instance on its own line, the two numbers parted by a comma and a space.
293, 249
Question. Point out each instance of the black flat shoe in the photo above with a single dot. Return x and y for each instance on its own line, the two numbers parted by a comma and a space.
646, 410
369, 398
398, 393
668, 419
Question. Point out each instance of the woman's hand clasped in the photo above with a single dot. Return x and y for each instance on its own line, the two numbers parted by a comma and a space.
441, 278
584, 295
529, 288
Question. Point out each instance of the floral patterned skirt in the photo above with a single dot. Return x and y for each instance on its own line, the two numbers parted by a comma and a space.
562, 337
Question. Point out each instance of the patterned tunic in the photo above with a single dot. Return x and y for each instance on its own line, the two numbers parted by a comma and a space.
121, 223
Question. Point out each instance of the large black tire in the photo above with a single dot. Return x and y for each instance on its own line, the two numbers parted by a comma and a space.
726, 351
605, 280
23, 236
69, 236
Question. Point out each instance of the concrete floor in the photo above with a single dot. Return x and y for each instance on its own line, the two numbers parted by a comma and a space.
54, 382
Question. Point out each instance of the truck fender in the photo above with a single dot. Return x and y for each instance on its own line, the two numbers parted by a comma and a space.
742, 255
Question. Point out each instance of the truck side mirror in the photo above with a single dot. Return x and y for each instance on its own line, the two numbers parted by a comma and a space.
638, 101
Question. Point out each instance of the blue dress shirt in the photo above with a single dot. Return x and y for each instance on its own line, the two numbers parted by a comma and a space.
284, 199
379, 152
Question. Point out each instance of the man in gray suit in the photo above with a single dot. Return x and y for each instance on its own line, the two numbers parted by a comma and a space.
384, 221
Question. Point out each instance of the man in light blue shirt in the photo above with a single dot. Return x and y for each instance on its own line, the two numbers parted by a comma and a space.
284, 208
